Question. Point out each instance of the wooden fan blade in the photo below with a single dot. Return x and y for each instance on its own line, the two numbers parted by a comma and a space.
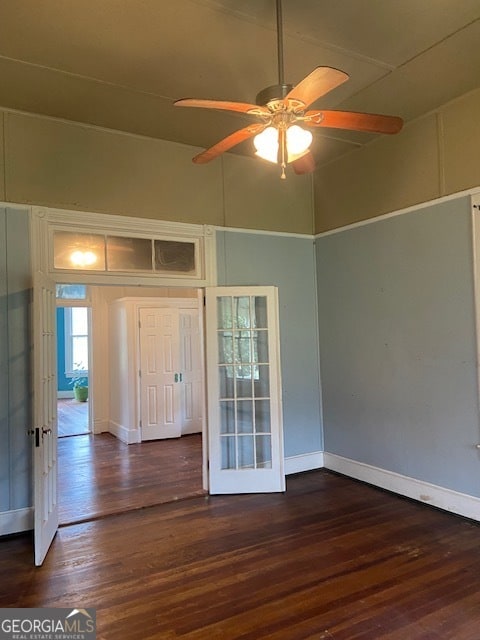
228, 142
241, 107
370, 122
305, 164
317, 84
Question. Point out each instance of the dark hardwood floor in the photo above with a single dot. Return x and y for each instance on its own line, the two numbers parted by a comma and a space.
99, 475
329, 559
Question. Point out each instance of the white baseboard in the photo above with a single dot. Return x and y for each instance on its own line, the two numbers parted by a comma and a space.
303, 462
460, 503
187, 431
64, 394
129, 436
101, 425
16, 521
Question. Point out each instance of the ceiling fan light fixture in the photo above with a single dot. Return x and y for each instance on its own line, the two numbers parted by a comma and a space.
298, 140
266, 144
282, 104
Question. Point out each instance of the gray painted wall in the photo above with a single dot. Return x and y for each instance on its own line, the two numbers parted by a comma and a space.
15, 352
398, 346
397, 343
288, 263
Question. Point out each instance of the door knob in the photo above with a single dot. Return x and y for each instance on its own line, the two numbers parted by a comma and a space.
45, 431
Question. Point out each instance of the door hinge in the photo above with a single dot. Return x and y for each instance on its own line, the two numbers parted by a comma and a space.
139, 373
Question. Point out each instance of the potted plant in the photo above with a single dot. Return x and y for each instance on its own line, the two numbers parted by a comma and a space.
80, 387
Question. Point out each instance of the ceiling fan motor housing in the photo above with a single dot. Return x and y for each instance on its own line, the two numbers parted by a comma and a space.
274, 92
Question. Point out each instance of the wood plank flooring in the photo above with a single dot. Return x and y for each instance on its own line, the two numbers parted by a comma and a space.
329, 559
99, 475
72, 417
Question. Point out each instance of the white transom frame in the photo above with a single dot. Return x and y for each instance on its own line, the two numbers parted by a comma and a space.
46, 221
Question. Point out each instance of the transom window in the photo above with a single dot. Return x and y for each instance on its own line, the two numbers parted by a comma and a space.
111, 253
71, 292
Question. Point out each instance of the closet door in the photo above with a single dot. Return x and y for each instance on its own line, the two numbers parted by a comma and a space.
191, 371
160, 378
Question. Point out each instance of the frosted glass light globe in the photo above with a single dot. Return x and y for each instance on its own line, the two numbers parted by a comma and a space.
298, 140
266, 144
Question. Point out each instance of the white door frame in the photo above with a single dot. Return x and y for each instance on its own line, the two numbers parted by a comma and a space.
44, 222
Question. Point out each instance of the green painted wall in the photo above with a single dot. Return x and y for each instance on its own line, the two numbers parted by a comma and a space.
73, 166
431, 157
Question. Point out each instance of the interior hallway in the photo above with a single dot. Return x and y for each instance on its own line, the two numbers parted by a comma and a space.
99, 475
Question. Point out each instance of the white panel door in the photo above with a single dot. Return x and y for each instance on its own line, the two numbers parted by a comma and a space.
45, 418
160, 407
191, 371
245, 434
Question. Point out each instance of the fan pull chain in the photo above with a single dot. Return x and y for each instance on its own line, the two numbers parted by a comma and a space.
283, 151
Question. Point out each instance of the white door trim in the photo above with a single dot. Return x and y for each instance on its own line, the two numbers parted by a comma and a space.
45, 221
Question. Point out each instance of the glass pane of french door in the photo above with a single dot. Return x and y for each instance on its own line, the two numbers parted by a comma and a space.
243, 368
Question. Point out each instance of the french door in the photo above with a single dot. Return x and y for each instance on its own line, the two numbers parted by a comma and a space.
245, 433
44, 431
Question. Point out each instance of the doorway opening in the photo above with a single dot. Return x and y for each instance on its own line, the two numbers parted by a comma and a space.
113, 467
73, 347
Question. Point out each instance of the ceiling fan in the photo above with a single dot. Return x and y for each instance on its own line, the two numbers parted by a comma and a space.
282, 108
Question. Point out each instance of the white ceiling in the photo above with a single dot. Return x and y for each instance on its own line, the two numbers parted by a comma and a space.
122, 63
